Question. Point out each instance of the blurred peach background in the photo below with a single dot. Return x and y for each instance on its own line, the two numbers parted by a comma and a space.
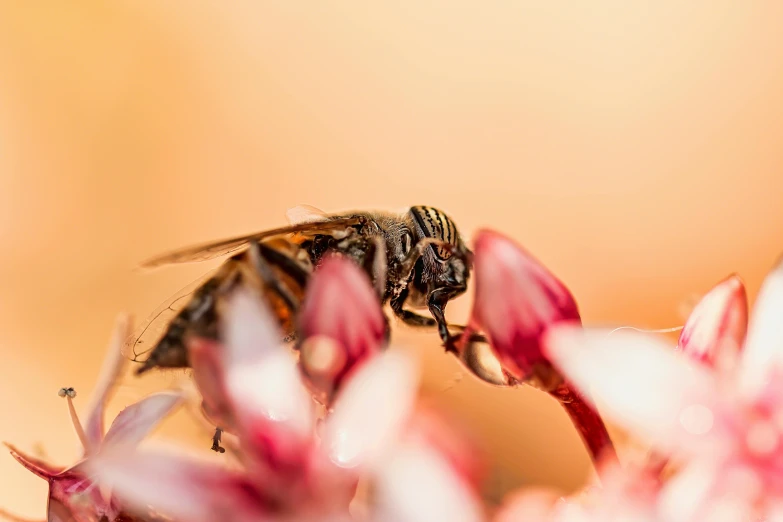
633, 147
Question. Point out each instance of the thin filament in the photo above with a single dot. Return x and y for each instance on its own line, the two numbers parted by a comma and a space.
77, 425
644, 330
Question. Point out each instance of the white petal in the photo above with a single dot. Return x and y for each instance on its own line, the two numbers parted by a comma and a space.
641, 383
137, 420
417, 485
249, 330
764, 344
371, 409
684, 495
271, 388
113, 365
177, 485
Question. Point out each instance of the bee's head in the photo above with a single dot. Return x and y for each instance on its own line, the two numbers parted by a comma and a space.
447, 262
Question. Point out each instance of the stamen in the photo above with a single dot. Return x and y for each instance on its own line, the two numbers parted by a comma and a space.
644, 330
69, 394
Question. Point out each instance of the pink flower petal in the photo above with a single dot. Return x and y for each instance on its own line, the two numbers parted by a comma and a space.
272, 409
113, 365
137, 420
371, 410
715, 330
180, 487
340, 305
516, 300
206, 360
56, 511
764, 345
41, 468
684, 496
262, 376
72, 496
640, 383
416, 484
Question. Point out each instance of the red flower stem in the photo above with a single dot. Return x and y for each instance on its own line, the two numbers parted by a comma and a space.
587, 421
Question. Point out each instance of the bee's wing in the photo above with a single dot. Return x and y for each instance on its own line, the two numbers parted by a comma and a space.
305, 214
220, 248
149, 332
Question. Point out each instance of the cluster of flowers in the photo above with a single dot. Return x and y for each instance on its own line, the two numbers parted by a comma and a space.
709, 411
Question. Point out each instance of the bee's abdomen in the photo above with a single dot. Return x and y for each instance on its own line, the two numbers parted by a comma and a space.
197, 318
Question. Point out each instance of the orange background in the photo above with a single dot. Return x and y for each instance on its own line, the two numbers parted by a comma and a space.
635, 147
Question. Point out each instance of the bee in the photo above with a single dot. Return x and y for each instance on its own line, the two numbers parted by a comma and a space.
416, 260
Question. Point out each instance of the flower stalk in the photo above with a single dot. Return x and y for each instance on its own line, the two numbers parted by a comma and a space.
588, 423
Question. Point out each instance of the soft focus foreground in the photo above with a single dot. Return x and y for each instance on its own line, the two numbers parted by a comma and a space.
349, 440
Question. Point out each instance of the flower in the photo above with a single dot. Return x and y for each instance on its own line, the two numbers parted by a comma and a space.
341, 325
725, 424
517, 299
716, 328
73, 492
288, 469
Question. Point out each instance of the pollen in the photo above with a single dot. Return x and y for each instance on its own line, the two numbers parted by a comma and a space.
67, 392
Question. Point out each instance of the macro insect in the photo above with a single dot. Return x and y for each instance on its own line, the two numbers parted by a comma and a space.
415, 260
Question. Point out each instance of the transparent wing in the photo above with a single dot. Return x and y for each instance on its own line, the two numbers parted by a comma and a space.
305, 214
206, 251
149, 332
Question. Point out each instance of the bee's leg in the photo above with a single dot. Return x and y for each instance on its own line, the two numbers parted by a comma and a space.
437, 304
397, 302
285, 263
216, 441
406, 316
375, 264
259, 256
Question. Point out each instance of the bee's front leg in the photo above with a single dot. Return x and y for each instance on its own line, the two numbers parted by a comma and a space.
437, 304
397, 304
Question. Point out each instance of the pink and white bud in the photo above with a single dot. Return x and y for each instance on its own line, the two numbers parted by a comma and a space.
715, 330
517, 299
341, 325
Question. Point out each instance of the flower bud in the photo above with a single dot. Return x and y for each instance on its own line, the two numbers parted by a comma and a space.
341, 325
715, 330
516, 300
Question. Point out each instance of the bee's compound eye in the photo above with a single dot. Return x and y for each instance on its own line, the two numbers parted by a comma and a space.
406, 241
